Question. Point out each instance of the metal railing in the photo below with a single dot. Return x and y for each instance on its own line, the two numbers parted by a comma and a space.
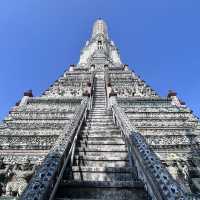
158, 182
106, 89
70, 155
46, 180
92, 90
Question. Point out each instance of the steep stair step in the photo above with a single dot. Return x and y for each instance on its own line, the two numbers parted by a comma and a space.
99, 114
96, 190
102, 139
112, 127
100, 135
109, 148
99, 102
102, 112
101, 153
108, 184
105, 147
100, 118
99, 108
101, 123
103, 169
101, 161
102, 173
102, 142
99, 96
97, 118
103, 157
99, 99
102, 132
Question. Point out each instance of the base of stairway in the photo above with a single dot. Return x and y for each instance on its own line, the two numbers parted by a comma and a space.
120, 190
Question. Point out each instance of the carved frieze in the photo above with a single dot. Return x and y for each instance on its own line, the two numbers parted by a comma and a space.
167, 131
125, 85
9, 141
31, 133
161, 115
170, 140
70, 85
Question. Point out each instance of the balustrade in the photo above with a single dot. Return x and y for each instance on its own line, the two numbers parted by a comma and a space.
158, 182
49, 174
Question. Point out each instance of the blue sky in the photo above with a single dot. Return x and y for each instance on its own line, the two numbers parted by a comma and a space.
160, 40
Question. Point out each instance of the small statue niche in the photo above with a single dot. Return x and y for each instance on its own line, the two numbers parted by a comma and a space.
19, 177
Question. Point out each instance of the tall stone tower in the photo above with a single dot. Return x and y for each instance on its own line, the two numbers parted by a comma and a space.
100, 132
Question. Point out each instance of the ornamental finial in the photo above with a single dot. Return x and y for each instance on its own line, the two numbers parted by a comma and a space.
100, 27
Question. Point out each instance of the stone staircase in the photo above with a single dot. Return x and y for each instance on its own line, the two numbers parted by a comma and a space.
101, 169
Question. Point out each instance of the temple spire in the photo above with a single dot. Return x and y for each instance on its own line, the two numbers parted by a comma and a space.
99, 46
100, 28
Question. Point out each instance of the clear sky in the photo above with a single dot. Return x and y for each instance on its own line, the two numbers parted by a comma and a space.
159, 39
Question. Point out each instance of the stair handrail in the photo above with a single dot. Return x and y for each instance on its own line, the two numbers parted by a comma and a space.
157, 180
47, 178
106, 87
92, 77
